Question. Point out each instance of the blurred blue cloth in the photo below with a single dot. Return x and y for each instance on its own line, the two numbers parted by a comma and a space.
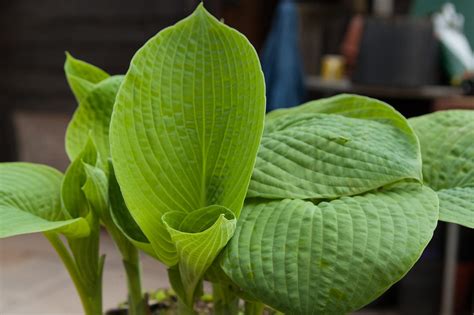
281, 60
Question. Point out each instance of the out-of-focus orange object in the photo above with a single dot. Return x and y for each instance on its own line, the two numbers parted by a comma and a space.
351, 42
332, 67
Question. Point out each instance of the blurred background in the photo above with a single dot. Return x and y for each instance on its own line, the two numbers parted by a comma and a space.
414, 54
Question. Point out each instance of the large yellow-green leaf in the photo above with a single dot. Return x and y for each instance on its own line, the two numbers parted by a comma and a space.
92, 119
334, 147
447, 147
187, 123
30, 202
186, 128
82, 76
332, 257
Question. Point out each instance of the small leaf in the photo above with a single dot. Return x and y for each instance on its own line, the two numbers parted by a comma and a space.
92, 119
333, 257
187, 124
30, 202
325, 156
82, 76
447, 147
199, 236
96, 190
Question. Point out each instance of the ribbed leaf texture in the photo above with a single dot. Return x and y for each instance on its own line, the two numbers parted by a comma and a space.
336, 211
30, 202
186, 126
323, 156
333, 257
447, 146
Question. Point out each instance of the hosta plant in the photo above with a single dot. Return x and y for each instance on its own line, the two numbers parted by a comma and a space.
316, 209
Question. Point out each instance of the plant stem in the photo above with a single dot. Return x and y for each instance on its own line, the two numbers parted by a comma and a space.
131, 262
254, 308
136, 301
226, 302
184, 309
91, 305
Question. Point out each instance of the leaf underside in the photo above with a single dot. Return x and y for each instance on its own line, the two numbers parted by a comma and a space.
447, 147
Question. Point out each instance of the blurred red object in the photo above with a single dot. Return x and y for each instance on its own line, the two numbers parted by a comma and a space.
351, 42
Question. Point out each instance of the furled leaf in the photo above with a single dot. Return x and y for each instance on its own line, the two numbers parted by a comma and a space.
30, 202
334, 147
73, 198
199, 236
187, 124
92, 119
332, 257
96, 189
82, 76
447, 147
81, 196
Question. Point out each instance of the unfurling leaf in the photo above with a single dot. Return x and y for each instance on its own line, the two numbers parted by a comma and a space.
186, 127
447, 147
198, 236
30, 202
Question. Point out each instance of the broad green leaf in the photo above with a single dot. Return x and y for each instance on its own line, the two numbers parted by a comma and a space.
92, 119
332, 257
350, 105
447, 147
325, 156
82, 76
30, 202
187, 124
199, 236
457, 206
123, 219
